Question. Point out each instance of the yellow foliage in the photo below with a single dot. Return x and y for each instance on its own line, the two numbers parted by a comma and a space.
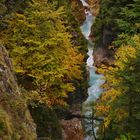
122, 83
107, 121
41, 49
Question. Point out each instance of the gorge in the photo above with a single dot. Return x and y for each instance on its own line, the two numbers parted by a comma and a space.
95, 80
69, 69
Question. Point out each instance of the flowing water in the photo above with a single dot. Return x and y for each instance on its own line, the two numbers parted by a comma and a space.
95, 80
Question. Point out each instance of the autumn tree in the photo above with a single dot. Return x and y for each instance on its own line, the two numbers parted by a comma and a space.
119, 103
42, 52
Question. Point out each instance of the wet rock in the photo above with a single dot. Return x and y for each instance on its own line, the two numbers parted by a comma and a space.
107, 36
103, 56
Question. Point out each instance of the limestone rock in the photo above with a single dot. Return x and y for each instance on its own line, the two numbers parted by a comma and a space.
103, 56
7, 80
94, 6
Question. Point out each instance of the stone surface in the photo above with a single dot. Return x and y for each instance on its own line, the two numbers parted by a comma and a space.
7, 79
103, 54
94, 6
72, 129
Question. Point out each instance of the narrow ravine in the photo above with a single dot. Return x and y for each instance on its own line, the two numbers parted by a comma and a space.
95, 80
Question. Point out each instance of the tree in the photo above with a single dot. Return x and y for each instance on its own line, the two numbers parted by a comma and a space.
42, 51
119, 103
117, 16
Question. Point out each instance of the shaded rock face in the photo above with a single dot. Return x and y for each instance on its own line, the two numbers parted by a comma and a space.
78, 10
102, 53
103, 56
15, 120
7, 80
72, 129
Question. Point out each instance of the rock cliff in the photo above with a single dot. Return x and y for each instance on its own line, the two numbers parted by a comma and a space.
15, 120
102, 53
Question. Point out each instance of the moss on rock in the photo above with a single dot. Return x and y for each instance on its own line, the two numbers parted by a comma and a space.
15, 120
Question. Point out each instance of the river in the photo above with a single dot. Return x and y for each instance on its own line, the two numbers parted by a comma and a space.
95, 80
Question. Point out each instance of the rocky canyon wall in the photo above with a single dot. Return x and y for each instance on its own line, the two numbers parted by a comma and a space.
15, 120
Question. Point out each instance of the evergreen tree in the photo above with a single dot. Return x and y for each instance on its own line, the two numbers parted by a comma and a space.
119, 103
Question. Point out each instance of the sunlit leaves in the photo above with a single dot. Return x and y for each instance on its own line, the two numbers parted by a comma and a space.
42, 50
119, 103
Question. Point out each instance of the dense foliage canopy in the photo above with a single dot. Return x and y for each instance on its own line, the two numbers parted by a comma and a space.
42, 51
47, 49
119, 104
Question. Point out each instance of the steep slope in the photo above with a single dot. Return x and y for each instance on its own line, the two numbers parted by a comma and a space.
15, 120
114, 18
56, 69
117, 40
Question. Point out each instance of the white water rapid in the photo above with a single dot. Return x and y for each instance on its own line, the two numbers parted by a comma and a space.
95, 80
